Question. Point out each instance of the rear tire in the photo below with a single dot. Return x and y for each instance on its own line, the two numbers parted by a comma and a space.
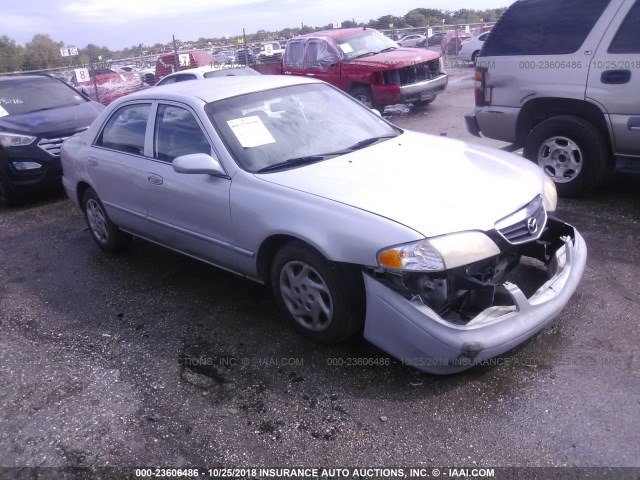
571, 151
105, 233
322, 300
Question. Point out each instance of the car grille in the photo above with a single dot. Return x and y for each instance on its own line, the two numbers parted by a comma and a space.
53, 145
524, 225
419, 72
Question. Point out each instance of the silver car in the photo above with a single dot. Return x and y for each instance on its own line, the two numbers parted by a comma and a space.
442, 253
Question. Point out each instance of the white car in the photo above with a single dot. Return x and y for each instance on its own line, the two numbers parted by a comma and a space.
444, 254
200, 73
470, 48
412, 40
270, 50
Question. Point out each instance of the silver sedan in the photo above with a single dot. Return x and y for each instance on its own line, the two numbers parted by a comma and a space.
443, 254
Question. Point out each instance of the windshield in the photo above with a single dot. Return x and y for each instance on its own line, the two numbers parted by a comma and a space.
24, 95
366, 43
295, 125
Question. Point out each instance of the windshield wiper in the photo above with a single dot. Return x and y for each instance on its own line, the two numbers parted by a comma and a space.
294, 162
368, 141
43, 109
368, 54
363, 55
309, 159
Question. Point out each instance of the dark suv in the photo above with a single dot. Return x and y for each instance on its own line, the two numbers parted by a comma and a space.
37, 113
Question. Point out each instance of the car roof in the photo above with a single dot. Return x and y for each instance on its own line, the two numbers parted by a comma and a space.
203, 69
218, 88
25, 77
337, 33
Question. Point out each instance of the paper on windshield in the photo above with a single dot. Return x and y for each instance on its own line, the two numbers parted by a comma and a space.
346, 48
3, 112
250, 131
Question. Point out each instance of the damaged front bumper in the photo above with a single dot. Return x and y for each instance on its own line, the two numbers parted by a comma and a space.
413, 332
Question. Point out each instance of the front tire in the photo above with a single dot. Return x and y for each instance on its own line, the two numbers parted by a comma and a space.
424, 103
571, 151
7, 197
364, 96
474, 57
322, 300
105, 233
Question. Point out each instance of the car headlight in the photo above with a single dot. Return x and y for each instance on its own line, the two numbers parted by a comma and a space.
549, 195
23, 165
15, 140
439, 253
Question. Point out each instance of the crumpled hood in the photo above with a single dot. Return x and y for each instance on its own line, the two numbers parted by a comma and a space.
398, 58
430, 184
56, 121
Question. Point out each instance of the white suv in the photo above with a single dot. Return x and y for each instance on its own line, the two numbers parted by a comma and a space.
562, 79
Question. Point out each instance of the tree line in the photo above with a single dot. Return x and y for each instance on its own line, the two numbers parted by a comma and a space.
42, 52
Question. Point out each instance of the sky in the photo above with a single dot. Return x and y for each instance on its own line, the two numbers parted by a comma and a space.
117, 24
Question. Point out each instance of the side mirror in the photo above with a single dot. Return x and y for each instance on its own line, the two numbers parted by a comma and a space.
198, 163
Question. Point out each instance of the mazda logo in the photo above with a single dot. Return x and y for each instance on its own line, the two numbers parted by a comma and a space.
532, 225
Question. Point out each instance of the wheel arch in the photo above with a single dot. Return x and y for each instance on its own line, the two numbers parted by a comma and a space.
81, 189
268, 249
270, 246
351, 86
540, 109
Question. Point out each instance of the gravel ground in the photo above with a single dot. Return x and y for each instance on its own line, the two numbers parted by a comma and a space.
150, 358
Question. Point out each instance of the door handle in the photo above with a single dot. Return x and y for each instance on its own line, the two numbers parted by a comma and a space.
154, 179
615, 77
92, 161
634, 124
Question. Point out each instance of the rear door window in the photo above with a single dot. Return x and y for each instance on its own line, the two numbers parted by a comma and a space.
627, 39
294, 54
543, 27
125, 129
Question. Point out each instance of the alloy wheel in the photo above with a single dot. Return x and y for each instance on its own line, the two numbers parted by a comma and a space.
97, 221
306, 296
561, 159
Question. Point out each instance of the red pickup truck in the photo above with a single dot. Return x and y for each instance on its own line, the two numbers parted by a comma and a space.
366, 64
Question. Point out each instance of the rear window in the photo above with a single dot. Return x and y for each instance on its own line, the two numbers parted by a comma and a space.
543, 27
294, 54
26, 95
